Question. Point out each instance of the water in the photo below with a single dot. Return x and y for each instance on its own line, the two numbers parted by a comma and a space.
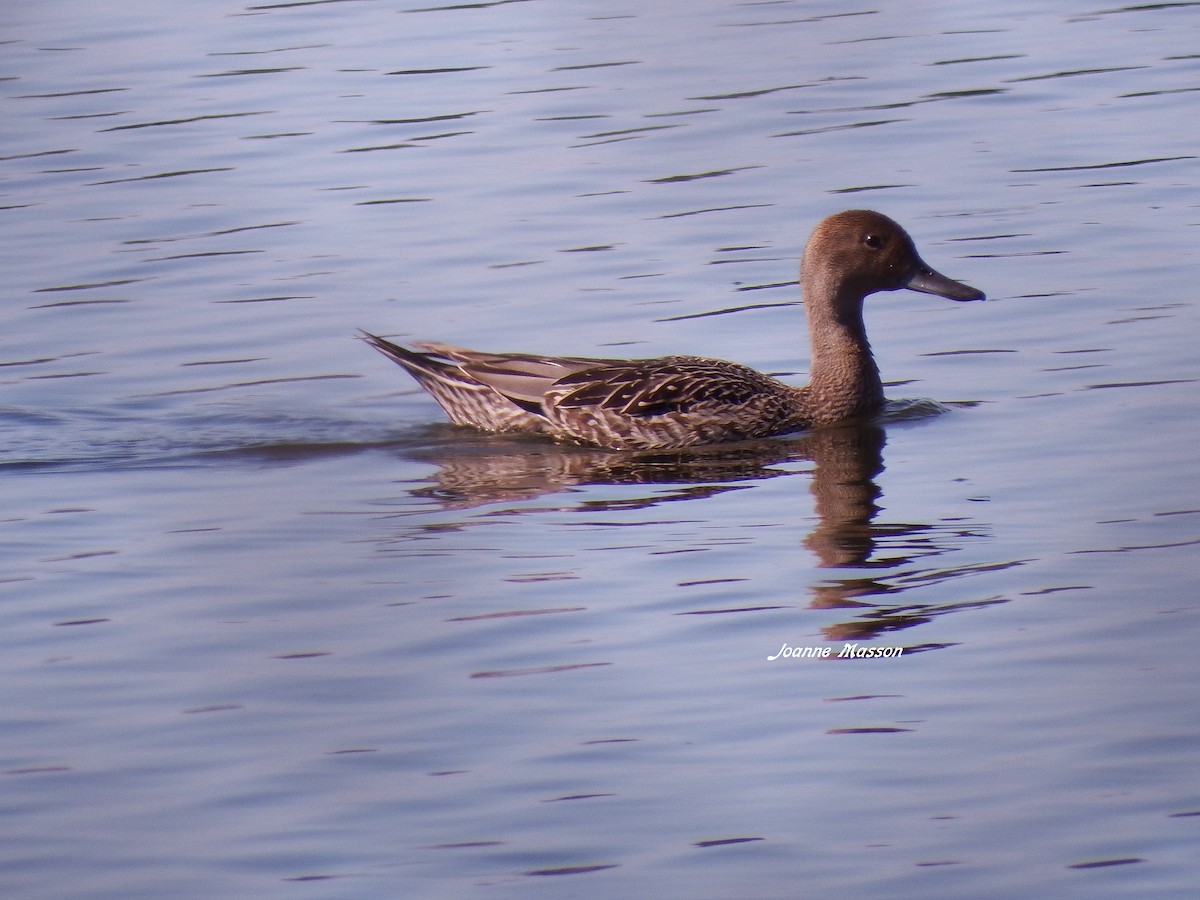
271, 629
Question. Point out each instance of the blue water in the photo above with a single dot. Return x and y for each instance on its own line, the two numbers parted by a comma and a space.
271, 628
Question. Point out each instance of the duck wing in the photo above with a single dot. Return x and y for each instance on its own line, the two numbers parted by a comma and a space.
670, 385
523, 378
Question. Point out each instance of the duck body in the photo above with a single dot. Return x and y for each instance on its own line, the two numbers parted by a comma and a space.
683, 401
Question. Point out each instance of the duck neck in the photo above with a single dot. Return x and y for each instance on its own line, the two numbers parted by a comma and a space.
844, 380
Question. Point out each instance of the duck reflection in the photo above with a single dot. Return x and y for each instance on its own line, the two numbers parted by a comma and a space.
489, 469
867, 560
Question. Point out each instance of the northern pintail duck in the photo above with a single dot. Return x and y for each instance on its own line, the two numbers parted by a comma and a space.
682, 401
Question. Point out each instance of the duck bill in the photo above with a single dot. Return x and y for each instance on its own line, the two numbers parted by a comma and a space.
929, 281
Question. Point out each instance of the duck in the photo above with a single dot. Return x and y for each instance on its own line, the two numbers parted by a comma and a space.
680, 401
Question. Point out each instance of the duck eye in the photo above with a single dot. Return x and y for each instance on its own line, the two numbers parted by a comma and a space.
872, 240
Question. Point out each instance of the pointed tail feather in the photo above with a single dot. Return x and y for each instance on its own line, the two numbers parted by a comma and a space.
465, 399
411, 360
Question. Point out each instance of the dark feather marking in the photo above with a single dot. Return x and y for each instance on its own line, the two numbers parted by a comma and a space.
529, 406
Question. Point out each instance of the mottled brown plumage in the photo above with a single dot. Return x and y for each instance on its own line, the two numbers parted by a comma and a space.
682, 401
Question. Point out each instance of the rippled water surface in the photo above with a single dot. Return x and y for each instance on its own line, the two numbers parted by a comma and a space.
272, 629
